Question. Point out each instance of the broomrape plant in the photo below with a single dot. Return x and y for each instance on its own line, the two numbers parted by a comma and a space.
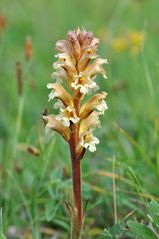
78, 65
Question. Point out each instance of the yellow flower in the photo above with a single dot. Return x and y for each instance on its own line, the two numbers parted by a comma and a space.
132, 41
120, 44
136, 38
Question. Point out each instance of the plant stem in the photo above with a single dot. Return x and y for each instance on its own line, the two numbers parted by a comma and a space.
76, 178
77, 217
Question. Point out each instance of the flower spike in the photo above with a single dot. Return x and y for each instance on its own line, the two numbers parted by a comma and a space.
78, 64
76, 69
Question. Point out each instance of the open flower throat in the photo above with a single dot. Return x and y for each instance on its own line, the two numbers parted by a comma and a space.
77, 66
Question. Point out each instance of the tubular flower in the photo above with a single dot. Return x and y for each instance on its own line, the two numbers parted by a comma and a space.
77, 66
96, 67
86, 138
96, 102
67, 115
90, 123
89, 141
84, 84
53, 124
58, 91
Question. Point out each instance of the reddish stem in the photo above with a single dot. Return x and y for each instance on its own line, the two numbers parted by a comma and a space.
76, 178
76, 170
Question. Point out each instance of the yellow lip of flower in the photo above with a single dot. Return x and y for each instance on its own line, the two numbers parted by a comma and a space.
89, 51
58, 91
96, 102
53, 124
82, 79
68, 115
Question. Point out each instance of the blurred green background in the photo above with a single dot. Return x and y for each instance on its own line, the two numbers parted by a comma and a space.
33, 188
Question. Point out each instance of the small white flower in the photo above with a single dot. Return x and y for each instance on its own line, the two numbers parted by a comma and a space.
88, 141
89, 124
102, 106
96, 102
53, 94
85, 84
66, 115
64, 61
58, 91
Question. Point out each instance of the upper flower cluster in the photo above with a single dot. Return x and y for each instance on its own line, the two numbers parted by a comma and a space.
76, 68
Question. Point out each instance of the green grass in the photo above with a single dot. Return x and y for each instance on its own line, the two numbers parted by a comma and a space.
33, 189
